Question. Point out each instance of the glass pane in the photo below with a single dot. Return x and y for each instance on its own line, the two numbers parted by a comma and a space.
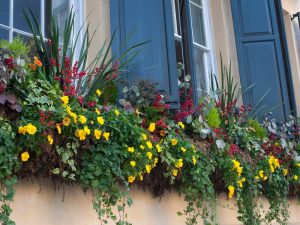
198, 2
19, 20
198, 25
200, 71
60, 10
48, 12
4, 34
4, 12
177, 17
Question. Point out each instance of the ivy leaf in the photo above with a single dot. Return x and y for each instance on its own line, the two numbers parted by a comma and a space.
56, 171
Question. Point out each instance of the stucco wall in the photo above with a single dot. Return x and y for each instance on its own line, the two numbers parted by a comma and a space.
39, 204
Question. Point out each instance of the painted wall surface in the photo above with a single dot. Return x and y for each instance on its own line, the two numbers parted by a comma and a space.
39, 204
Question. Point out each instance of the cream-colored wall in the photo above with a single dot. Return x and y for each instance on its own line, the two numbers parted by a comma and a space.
39, 204
293, 39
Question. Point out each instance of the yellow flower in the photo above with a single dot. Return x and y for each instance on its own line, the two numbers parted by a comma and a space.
141, 177
100, 120
158, 148
97, 134
74, 116
50, 139
155, 161
149, 155
106, 135
132, 163
97, 111
237, 167
148, 168
31, 129
117, 113
65, 99
131, 179
295, 177
261, 173
151, 127
22, 130
149, 144
130, 149
58, 128
230, 191
175, 172
82, 119
256, 177
144, 137
194, 160
273, 163
181, 125
241, 181
98, 92
285, 172
66, 121
142, 147
298, 164
87, 130
265, 178
174, 141
80, 133
183, 149
25, 156
179, 163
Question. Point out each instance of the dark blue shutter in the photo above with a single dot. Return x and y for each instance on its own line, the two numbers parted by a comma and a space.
150, 20
260, 50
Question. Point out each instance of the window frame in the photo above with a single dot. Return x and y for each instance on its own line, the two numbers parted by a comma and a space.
188, 43
77, 5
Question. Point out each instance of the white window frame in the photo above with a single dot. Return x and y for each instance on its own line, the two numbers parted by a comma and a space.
209, 61
78, 6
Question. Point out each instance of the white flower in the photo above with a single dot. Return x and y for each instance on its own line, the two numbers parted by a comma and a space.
220, 144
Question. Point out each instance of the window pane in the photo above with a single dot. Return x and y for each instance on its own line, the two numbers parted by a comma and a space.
200, 71
19, 20
198, 25
198, 2
60, 10
176, 17
4, 10
4, 34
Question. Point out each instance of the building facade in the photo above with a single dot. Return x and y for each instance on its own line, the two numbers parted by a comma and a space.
258, 37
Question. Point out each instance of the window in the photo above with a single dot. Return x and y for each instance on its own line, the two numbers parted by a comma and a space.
193, 41
13, 23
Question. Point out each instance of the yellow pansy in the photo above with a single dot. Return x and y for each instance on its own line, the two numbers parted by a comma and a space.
144, 137
183, 149
265, 178
80, 133
141, 177
285, 172
98, 92
58, 128
175, 172
131, 179
117, 113
100, 120
256, 177
30, 129
230, 191
130, 149
106, 135
66, 121
155, 161
241, 181
295, 177
22, 130
25, 156
97, 111
65, 99
261, 174
174, 141
149, 155
158, 148
273, 163
179, 163
142, 147
148, 168
194, 160
237, 167
149, 144
87, 130
82, 119
181, 125
132, 163
50, 139
151, 127
97, 134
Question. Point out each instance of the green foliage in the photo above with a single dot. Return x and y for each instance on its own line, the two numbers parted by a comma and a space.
18, 47
213, 118
258, 130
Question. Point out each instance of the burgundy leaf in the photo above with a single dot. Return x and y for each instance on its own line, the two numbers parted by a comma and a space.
2, 98
11, 98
